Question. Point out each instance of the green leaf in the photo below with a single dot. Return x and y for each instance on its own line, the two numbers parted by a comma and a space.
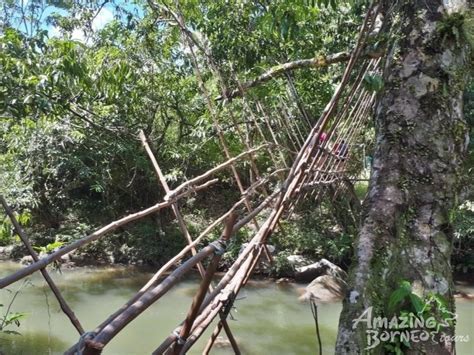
373, 83
52, 246
14, 317
416, 302
399, 295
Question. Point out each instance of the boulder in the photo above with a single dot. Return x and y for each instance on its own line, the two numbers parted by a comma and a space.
222, 343
324, 289
283, 280
297, 261
323, 267
26, 260
6, 252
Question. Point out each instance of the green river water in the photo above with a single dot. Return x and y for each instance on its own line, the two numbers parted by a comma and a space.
269, 319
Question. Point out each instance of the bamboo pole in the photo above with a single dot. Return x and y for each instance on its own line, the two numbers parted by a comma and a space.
174, 205
212, 339
24, 238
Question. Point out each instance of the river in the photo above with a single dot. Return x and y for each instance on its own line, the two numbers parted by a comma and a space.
268, 318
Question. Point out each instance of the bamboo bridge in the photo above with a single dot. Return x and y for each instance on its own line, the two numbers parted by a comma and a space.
305, 158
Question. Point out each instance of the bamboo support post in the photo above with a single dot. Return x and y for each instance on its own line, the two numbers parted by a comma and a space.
174, 205
226, 298
212, 339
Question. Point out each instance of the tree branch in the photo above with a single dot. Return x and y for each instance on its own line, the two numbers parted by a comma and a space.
317, 62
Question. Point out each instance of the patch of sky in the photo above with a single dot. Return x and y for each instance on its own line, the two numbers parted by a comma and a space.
45, 10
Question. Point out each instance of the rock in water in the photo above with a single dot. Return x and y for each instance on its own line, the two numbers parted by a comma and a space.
297, 261
322, 267
324, 289
222, 343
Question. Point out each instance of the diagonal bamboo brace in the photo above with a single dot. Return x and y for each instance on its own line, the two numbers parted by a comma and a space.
24, 238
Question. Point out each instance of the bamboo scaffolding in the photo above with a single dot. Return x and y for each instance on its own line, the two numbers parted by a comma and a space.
150, 296
154, 281
266, 229
181, 191
314, 166
177, 213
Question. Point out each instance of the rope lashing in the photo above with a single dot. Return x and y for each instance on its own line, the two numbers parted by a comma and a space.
220, 247
179, 340
228, 305
82, 341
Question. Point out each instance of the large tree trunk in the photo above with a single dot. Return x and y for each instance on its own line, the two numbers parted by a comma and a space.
406, 233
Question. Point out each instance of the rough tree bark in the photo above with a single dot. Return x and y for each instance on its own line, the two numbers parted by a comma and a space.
406, 232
